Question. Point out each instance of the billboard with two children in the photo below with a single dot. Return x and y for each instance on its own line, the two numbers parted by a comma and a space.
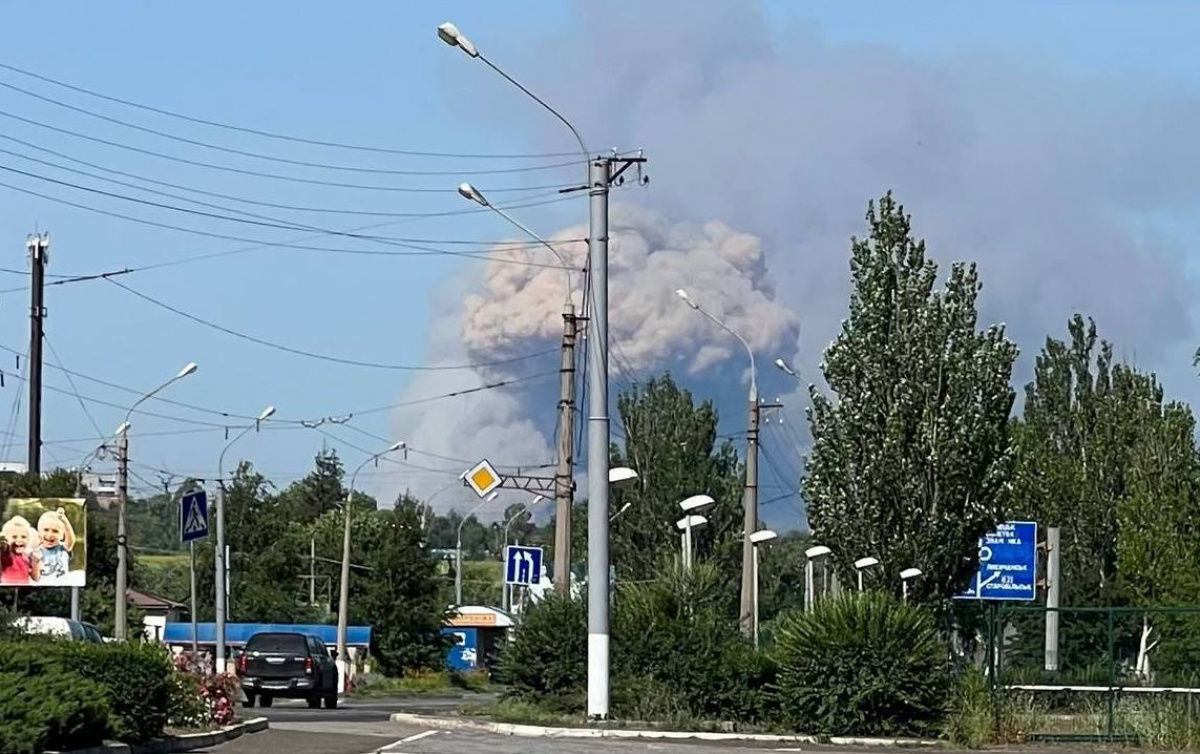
43, 542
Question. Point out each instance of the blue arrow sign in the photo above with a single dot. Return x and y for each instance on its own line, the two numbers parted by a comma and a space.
522, 565
193, 516
1007, 564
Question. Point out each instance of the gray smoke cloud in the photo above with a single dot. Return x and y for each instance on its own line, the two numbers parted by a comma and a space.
1072, 192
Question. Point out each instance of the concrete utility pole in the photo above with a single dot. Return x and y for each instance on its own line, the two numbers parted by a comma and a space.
1053, 592
122, 549
564, 483
38, 246
749, 517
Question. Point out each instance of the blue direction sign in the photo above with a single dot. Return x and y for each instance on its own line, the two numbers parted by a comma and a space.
522, 565
193, 516
1007, 564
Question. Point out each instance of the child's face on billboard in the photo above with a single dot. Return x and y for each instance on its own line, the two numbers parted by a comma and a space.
18, 538
51, 531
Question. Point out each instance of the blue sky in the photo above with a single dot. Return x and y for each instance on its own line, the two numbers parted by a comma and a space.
374, 73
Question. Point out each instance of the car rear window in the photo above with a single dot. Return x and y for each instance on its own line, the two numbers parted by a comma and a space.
294, 643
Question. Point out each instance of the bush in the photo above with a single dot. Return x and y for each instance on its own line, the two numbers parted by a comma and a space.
862, 664
135, 678
57, 710
545, 661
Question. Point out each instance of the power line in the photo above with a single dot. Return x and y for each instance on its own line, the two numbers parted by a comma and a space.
264, 174
320, 356
273, 135
74, 389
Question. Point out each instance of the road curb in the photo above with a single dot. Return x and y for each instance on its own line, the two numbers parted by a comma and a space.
185, 742
541, 731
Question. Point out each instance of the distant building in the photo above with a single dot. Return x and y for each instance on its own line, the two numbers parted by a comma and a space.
12, 467
103, 486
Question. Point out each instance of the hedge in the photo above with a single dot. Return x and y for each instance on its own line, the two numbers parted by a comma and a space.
133, 679
53, 711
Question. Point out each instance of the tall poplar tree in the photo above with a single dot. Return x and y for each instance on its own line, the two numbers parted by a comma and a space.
911, 457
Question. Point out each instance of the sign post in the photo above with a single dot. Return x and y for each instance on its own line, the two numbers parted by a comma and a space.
193, 525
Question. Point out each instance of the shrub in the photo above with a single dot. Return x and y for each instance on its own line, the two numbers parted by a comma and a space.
545, 661
135, 678
58, 710
862, 664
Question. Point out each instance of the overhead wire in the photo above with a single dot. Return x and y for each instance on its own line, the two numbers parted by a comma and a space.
264, 174
74, 389
270, 134
11, 427
319, 356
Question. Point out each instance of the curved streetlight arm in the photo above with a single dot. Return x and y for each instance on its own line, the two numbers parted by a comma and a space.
745, 344
532, 235
228, 445
583, 150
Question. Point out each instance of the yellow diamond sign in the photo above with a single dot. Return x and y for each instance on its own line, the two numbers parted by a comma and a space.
483, 478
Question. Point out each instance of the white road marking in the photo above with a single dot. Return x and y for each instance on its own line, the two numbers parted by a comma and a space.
393, 747
417, 737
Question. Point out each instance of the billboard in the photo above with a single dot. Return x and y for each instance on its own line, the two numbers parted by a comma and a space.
43, 542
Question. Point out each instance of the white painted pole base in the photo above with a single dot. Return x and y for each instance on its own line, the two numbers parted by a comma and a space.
341, 670
597, 696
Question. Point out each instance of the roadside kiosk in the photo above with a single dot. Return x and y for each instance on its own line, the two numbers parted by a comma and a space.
478, 632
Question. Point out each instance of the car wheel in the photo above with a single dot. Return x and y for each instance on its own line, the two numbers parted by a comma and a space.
314, 702
266, 701
250, 698
331, 701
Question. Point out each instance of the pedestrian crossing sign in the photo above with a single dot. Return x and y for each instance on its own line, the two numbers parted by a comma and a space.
483, 478
193, 516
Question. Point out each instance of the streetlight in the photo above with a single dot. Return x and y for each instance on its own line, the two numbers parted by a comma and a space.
811, 555
756, 539
689, 506
458, 548
750, 496
695, 503
83, 466
686, 524
863, 564
907, 575
473, 194
599, 176
221, 582
619, 474
123, 500
344, 588
526, 508
785, 367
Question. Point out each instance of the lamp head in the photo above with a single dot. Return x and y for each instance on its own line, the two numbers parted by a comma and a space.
867, 562
910, 573
492, 497
785, 367
123, 428
817, 552
470, 192
763, 535
696, 502
397, 446
681, 293
455, 38
267, 413
189, 369
537, 499
621, 474
692, 521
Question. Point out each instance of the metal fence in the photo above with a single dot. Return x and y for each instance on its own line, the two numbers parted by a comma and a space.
1115, 673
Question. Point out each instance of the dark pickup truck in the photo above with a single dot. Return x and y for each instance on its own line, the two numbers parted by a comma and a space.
289, 666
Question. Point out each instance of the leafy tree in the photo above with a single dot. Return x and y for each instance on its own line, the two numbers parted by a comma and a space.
672, 444
910, 462
318, 492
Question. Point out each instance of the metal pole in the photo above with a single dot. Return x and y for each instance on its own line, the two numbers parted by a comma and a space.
192, 580
75, 610
563, 482
599, 173
756, 596
1053, 594
344, 596
809, 586
122, 554
312, 571
687, 545
750, 512
219, 582
458, 566
38, 246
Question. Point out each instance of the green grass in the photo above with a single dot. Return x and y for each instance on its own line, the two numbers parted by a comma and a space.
425, 682
163, 561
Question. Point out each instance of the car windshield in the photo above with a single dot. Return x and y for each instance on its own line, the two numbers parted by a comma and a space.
293, 643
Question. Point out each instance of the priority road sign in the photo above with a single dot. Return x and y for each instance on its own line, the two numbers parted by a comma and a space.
522, 565
483, 478
1007, 564
193, 516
